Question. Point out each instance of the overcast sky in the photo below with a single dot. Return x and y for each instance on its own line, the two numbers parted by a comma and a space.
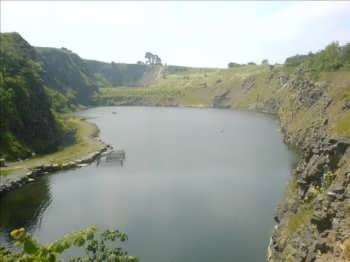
207, 34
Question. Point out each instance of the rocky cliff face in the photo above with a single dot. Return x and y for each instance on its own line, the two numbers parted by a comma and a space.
313, 218
66, 73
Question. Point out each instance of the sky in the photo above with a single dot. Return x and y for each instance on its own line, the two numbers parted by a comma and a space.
200, 34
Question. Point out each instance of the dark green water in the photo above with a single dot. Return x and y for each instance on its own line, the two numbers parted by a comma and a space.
197, 185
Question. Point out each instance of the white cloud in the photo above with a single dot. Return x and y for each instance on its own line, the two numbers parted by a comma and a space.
188, 33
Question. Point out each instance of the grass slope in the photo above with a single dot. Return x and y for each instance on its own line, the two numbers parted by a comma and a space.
86, 143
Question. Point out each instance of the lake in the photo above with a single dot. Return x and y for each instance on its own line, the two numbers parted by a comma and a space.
196, 185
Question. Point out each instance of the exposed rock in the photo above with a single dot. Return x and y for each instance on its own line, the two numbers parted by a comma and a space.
46, 169
322, 220
346, 106
220, 100
248, 83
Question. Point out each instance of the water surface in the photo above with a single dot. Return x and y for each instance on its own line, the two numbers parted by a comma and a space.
196, 185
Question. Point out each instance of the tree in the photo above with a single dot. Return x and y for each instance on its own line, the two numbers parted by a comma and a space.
149, 57
152, 59
232, 65
265, 62
157, 59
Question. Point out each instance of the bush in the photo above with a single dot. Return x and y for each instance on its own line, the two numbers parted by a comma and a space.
332, 58
97, 247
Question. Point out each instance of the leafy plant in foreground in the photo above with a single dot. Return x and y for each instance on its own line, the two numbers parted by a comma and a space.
98, 247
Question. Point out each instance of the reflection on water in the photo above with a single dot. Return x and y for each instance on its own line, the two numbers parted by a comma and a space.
30, 202
198, 185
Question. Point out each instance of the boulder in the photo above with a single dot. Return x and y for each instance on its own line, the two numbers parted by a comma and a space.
322, 219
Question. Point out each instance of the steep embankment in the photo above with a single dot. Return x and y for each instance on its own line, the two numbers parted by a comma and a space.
313, 105
37, 83
309, 94
118, 74
72, 81
27, 123
68, 81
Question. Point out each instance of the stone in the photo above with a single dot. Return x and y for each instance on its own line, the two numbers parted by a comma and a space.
322, 220
338, 189
331, 195
2, 162
346, 106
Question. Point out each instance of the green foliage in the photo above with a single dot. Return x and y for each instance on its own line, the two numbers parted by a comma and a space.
232, 65
61, 102
328, 178
342, 127
117, 74
298, 220
152, 59
26, 120
11, 148
97, 247
265, 62
332, 58
67, 74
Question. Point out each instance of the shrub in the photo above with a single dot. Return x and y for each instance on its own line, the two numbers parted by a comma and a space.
97, 247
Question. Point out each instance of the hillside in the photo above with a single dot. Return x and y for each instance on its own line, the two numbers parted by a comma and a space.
39, 82
27, 123
309, 94
118, 74
311, 98
69, 81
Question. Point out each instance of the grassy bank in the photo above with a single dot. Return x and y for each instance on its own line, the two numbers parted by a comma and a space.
86, 143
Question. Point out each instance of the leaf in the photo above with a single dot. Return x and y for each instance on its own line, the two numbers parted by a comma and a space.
30, 246
17, 234
52, 258
80, 241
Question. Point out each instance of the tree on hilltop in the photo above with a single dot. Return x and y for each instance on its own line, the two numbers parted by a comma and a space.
152, 59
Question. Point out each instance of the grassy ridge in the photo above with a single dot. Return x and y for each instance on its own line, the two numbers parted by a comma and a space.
86, 143
248, 87
189, 87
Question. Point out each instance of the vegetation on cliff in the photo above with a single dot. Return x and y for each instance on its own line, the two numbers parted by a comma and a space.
310, 94
333, 57
67, 77
38, 83
118, 74
27, 123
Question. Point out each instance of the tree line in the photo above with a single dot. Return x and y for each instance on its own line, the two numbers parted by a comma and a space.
333, 57
233, 64
151, 59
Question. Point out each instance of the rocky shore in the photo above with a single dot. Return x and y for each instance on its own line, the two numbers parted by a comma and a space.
313, 218
19, 179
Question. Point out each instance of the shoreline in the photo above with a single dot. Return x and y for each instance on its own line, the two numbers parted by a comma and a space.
85, 150
290, 204
23, 172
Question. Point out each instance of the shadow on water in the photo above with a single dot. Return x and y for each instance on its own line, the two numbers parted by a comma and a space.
30, 201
